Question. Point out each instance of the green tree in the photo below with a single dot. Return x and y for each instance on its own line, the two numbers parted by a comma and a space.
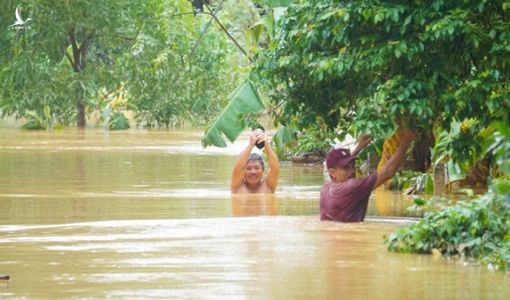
77, 54
358, 65
479, 228
255, 20
61, 60
181, 69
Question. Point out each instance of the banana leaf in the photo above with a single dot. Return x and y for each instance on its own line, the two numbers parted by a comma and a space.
244, 100
284, 135
455, 172
118, 121
266, 23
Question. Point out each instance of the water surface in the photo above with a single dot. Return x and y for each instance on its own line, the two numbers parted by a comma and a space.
148, 214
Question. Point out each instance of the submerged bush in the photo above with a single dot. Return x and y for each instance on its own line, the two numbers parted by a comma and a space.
478, 229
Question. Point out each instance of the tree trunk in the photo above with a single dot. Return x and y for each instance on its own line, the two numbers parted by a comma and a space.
421, 152
439, 180
78, 60
80, 110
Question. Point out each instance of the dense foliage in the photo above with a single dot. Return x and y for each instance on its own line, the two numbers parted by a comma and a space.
479, 229
358, 65
77, 58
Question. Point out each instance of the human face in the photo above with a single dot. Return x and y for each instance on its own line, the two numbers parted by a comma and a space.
340, 174
253, 172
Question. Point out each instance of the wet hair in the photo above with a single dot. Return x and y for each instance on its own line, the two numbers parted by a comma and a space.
257, 157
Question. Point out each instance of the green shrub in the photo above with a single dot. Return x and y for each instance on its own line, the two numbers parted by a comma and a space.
478, 229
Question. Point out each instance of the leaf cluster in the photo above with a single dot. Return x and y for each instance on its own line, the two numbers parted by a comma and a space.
478, 229
362, 64
173, 67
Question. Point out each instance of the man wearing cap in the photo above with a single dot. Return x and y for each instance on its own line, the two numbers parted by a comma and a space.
248, 173
345, 197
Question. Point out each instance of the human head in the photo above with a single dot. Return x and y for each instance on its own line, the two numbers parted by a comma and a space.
340, 164
254, 169
257, 158
340, 157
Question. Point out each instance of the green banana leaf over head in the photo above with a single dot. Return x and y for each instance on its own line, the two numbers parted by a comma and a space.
244, 100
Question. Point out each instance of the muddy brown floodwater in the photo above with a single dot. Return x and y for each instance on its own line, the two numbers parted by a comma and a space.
148, 214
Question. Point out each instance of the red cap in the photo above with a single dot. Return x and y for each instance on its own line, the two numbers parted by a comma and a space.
338, 158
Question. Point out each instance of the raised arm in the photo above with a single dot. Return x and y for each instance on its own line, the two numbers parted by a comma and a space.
274, 165
391, 167
237, 172
363, 142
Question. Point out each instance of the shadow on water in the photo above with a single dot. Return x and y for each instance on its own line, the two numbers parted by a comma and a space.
147, 214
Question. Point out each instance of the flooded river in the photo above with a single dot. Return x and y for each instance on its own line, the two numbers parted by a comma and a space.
148, 214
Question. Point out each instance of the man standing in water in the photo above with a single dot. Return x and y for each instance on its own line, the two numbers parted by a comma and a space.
345, 197
248, 173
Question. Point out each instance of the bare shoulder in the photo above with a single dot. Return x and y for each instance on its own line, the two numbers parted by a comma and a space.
262, 189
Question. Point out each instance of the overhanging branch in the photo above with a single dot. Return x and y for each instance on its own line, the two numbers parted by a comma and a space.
226, 32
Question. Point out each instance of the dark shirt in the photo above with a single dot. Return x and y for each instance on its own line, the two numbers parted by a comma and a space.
346, 201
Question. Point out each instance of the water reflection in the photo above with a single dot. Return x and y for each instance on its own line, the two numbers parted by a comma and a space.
385, 202
245, 205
